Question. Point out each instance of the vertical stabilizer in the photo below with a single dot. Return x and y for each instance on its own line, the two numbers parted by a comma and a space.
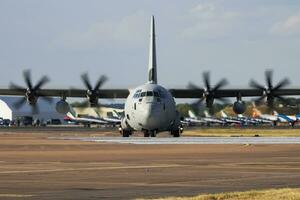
192, 114
223, 114
152, 72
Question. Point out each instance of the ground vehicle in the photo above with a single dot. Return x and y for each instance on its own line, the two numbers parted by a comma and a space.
24, 121
53, 122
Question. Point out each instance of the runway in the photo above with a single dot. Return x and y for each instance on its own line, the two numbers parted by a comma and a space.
188, 140
65, 165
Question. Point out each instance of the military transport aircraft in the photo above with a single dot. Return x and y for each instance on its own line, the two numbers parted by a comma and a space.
150, 107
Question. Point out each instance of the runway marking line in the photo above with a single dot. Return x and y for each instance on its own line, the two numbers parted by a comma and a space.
93, 168
16, 195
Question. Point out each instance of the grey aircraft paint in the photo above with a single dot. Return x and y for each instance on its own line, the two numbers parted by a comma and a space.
150, 107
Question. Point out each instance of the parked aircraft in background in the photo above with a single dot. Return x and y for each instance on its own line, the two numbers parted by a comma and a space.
275, 118
208, 119
229, 120
87, 120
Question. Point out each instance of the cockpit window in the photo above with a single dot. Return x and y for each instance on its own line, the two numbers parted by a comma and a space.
137, 94
143, 94
161, 93
149, 93
156, 94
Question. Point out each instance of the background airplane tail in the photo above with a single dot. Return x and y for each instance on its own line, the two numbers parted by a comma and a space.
223, 114
72, 113
192, 114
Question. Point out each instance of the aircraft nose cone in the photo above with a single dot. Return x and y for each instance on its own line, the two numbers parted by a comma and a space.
151, 116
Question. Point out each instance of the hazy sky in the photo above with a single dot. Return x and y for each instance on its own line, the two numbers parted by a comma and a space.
64, 38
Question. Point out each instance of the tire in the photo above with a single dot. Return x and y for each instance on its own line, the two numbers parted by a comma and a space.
146, 134
153, 133
175, 133
125, 133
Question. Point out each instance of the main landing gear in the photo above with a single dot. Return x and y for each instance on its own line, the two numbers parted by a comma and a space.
124, 132
177, 132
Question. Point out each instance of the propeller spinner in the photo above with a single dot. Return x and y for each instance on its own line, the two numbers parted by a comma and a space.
92, 93
209, 94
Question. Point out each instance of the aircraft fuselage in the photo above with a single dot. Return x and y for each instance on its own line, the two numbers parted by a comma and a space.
150, 107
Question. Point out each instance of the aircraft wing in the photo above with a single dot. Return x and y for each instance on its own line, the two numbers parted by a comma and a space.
103, 93
198, 93
123, 93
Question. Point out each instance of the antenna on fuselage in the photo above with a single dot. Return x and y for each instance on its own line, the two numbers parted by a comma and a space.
152, 72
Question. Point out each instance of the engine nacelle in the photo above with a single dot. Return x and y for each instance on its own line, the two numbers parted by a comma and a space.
239, 107
62, 107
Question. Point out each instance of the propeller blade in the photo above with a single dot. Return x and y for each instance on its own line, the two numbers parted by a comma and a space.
41, 83
19, 103
198, 104
192, 86
256, 85
282, 84
100, 82
27, 78
282, 99
211, 110
35, 109
269, 78
259, 100
16, 87
206, 79
86, 81
221, 83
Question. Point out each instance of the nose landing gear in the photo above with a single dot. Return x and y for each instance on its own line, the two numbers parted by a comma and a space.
150, 133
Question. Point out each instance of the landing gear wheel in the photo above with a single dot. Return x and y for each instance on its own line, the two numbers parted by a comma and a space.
126, 133
175, 133
153, 133
146, 134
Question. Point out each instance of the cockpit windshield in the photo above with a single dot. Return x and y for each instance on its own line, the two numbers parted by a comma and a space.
149, 93
140, 94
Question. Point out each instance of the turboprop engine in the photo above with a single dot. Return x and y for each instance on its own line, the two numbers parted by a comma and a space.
239, 107
62, 107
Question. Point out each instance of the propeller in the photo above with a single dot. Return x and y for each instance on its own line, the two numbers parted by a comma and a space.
269, 91
209, 94
32, 92
92, 93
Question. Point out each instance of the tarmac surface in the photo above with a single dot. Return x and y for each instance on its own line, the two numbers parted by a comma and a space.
188, 140
32, 166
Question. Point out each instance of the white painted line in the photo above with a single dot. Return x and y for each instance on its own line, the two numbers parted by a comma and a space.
188, 140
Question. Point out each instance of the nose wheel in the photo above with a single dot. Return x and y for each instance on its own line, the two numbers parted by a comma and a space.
150, 133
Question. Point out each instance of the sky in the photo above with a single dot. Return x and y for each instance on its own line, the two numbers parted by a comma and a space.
234, 39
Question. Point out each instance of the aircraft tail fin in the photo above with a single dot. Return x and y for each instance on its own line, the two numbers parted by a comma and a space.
152, 72
116, 114
275, 113
72, 113
192, 114
223, 114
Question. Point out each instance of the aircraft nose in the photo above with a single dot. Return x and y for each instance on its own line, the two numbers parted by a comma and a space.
151, 116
